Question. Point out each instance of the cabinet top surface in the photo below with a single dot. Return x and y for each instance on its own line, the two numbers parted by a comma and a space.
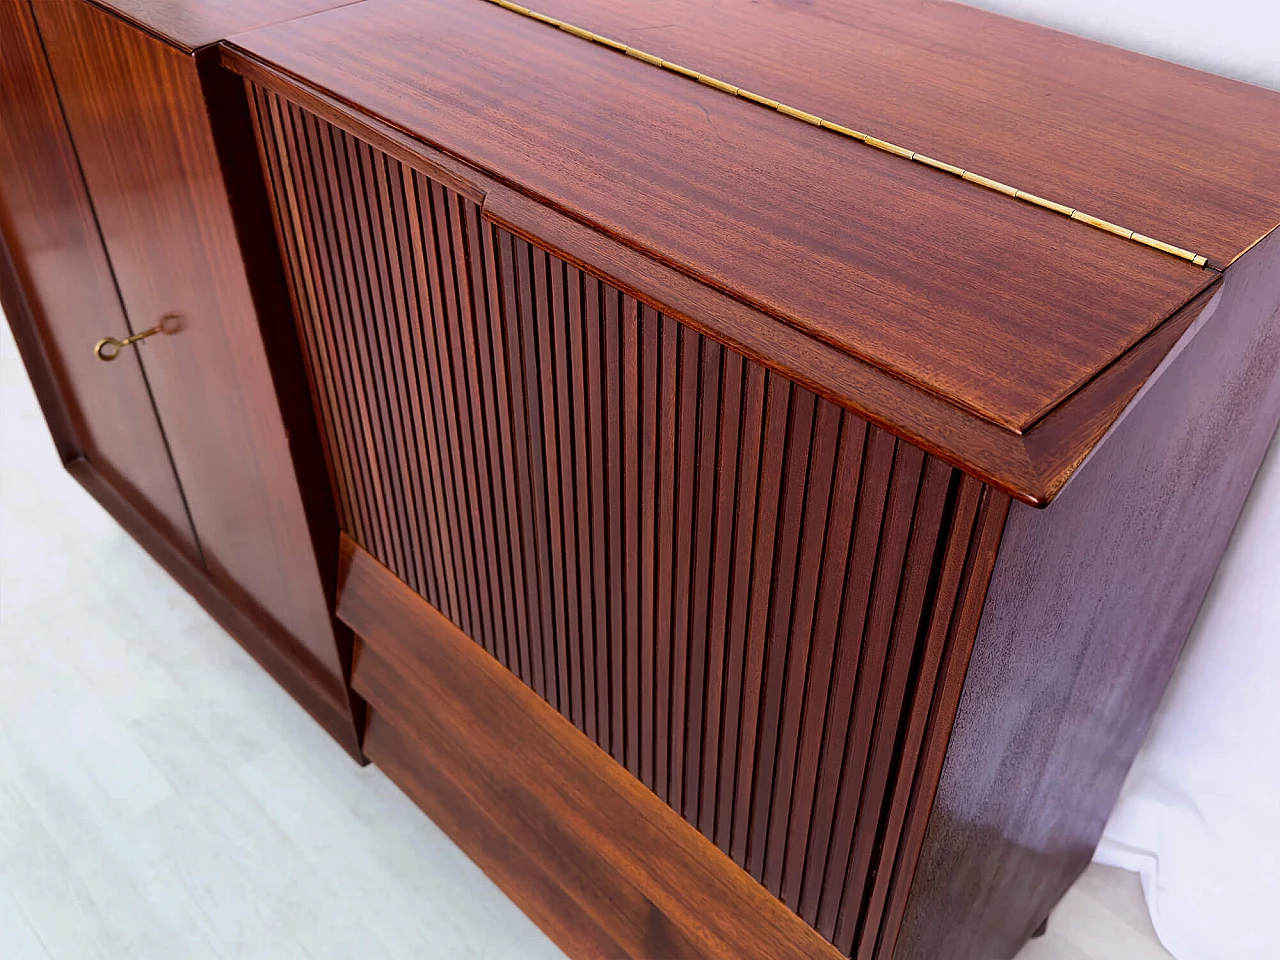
191, 24
999, 307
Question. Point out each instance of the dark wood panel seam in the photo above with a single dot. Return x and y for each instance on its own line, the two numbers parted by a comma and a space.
966, 616
230, 117
905, 754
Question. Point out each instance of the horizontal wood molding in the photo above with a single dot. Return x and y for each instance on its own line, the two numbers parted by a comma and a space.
598, 861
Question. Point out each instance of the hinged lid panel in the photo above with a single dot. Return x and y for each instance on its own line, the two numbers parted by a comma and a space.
1000, 307
1187, 157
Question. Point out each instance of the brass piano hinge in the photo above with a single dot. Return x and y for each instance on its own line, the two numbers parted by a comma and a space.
843, 131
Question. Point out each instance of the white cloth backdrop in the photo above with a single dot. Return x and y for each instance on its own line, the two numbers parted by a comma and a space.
1199, 817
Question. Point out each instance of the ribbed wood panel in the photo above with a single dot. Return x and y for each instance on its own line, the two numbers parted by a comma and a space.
741, 591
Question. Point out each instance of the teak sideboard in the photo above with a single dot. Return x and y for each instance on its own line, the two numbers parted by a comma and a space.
746, 470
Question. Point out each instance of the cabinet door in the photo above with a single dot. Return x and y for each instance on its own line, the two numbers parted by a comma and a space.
65, 297
137, 114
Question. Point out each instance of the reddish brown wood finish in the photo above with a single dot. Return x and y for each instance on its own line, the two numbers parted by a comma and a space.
101, 414
191, 24
603, 866
660, 398
1032, 467
942, 667
777, 561
1089, 606
832, 816
62, 297
153, 172
997, 307
1125, 137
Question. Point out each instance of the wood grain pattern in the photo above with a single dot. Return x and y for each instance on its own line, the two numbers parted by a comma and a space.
706, 627
593, 857
1070, 119
137, 112
48, 225
1089, 606
1031, 467
999, 308
192, 24
610, 374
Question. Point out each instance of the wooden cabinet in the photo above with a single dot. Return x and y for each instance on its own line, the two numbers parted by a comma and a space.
770, 456
61, 295
119, 214
724, 428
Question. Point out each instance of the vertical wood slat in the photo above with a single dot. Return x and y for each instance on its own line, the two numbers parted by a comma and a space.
699, 690
947, 588
744, 552
596, 482
664, 562
649, 387
516, 446
742, 592
726, 488
475, 357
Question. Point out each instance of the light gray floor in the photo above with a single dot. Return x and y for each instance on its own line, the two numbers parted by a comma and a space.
161, 798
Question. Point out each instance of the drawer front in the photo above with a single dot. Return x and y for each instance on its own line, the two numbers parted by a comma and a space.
68, 297
138, 117
742, 592
592, 856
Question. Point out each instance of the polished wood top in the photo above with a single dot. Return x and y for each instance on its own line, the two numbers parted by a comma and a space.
191, 24
1184, 156
996, 306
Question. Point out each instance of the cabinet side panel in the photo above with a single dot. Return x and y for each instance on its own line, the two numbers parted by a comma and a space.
65, 297
739, 590
1090, 604
138, 114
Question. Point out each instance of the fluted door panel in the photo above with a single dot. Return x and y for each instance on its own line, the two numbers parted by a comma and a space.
741, 591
